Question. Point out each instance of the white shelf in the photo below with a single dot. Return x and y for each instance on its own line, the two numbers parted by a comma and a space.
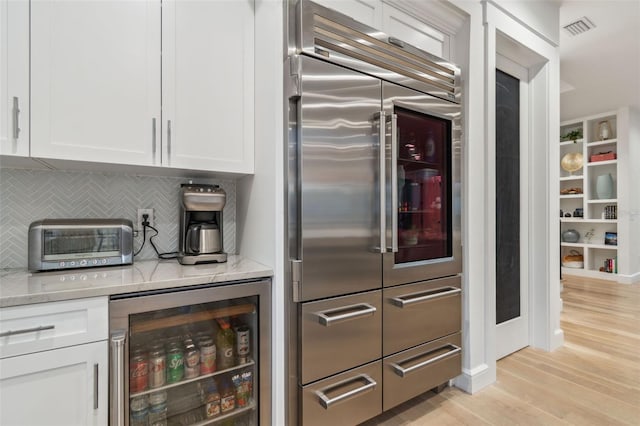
601, 163
567, 143
573, 177
591, 273
583, 220
572, 196
588, 246
608, 201
598, 143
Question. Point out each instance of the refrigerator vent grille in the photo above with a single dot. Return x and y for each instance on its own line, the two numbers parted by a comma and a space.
391, 56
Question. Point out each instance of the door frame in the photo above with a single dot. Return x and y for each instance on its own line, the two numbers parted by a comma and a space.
513, 335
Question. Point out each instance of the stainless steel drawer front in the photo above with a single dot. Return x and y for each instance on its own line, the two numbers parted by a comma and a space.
417, 370
339, 334
345, 399
417, 313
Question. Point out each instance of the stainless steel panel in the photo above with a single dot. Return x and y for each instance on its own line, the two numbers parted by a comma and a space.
417, 313
328, 34
340, 333
417, 370
345, 399
338, 159
394, 274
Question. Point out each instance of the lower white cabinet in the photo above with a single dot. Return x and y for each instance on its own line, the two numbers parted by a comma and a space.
67, 386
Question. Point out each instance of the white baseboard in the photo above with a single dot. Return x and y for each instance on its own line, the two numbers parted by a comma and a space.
477, 378
629, 279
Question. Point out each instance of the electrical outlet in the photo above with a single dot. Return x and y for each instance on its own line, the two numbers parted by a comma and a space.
143, 212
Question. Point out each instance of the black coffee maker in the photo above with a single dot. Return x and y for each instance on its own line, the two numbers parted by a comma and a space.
201, 224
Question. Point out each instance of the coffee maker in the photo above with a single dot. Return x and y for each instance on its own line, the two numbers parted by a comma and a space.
201, 224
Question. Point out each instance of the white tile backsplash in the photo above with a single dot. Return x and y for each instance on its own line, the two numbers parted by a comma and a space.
30, 195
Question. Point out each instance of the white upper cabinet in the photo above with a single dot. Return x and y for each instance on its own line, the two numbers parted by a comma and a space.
140, 83
208, 85
417, 33
95, 80
364, 11
14, 77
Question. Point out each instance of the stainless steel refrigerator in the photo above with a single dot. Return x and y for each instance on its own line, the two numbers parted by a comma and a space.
374, 219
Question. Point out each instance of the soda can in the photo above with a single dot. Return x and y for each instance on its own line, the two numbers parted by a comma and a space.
138, 371
175, 363
207, 355
191, 360
157, 367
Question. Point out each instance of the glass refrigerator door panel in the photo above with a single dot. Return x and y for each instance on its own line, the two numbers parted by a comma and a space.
424, 187
194, 364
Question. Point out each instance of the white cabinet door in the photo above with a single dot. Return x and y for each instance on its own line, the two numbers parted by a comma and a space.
14, 77
63, 387
208, 85
364, 11
95, 80
417, 33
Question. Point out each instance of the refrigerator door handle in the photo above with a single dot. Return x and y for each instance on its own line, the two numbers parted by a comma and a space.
327, 402
117, 377
345, 313
409, 299
394, 183
383, 179
402, 372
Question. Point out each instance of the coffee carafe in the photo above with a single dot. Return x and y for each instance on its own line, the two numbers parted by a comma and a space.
201, 224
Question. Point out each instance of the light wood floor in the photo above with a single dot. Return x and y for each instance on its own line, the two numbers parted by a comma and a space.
594, 379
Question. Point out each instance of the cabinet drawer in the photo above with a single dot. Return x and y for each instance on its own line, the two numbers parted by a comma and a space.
339, 334
43, 326
345, 399
417, 313
417, 370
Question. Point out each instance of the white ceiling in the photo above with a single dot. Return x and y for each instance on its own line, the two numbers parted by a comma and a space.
602, 65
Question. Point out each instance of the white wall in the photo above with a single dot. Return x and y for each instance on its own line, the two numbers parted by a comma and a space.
541, 17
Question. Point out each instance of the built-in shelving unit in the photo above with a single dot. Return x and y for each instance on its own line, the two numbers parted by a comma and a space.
590, 214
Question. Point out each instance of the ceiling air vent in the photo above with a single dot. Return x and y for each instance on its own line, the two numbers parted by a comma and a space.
579, 26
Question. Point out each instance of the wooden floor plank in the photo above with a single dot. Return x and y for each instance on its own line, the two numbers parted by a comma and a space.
594, 379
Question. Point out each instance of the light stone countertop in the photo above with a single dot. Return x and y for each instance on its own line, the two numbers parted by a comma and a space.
20, 287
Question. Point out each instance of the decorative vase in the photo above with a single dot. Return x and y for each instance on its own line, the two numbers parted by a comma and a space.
604, 186
604, 129
570, 236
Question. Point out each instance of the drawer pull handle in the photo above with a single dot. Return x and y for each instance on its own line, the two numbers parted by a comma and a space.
402, 372
351, 312
327, 402
27, 330
95, 386
409, 299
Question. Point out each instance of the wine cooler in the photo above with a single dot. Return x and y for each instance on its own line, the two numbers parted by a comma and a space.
199, 356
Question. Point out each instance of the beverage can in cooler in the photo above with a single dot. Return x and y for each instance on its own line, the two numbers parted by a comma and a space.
138, 371
175, 363
242, 343
191, 360
207, 355
157, 366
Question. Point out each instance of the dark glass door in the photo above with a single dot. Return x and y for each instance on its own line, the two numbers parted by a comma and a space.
423, 178
424, 187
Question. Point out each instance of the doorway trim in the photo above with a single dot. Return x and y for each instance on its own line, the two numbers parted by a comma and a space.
508, 37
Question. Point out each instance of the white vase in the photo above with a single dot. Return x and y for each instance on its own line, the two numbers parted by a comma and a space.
604, 186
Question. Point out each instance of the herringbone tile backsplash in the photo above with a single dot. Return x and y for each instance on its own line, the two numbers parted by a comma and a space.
30, 195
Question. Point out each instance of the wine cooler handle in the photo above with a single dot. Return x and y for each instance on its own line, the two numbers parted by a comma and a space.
153, 139
328, 402
409, 299
355, 312
394, 183
402, 372
383, 180
117, 378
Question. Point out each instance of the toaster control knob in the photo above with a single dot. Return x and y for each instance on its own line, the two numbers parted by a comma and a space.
95, 261
83, 262
104, 261
62, 264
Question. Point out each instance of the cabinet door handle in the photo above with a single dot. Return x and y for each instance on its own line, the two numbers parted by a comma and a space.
169, 141
350, 312
423, 296
95, 386
27, 330
117, 377
402, 372
327, 402
16, 118
396, 42
153, 139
